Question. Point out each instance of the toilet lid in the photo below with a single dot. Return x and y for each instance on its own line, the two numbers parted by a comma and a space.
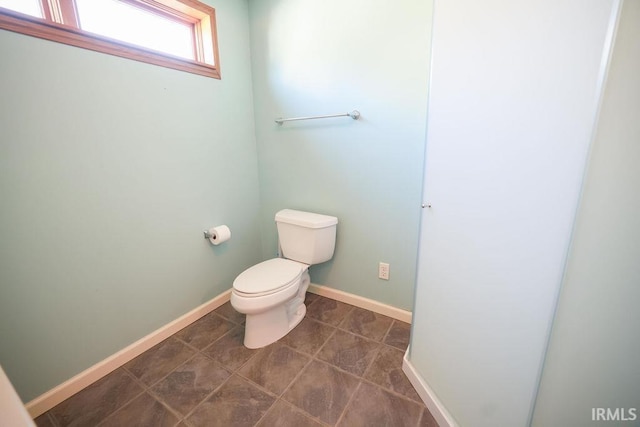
268, 276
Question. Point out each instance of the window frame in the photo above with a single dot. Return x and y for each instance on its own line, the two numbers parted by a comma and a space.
60, 24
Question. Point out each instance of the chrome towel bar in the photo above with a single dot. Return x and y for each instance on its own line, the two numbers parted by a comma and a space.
355, 115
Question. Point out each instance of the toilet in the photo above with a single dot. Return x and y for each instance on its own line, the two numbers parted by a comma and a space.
272, 293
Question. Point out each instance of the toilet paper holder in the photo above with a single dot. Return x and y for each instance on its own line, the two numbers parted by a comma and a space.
218, 234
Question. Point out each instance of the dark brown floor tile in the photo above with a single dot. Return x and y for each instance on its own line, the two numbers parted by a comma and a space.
309, 298
372, 406
236, 403
350, 352
308, 336
227, 311
202, 386
97, 401
158, 361
230, 350
427, 419
274, 367
386, 371
367, 323
44, 421
398, 335
283, 414
322, 391
144, 411
187, 386
328, 311
204, 331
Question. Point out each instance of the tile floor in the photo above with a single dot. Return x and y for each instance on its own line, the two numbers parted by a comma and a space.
342, 366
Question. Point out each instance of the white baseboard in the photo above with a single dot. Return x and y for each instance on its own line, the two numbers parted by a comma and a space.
362, 302
430, 399
48, 400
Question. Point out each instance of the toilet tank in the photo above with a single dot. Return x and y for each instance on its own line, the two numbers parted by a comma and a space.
306, 237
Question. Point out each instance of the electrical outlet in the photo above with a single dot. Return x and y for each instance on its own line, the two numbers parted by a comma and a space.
383, 271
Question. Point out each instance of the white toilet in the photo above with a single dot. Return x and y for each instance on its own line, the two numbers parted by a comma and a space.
272, 293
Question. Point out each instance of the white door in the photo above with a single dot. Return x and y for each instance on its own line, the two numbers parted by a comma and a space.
12, 412
513, 96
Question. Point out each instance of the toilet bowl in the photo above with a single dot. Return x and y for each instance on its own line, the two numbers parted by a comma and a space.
272, 292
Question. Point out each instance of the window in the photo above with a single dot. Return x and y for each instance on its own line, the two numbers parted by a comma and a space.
30, 7
179, 34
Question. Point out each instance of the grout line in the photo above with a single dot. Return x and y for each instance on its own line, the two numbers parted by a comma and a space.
420, 418
373, 359
339, 368
386, 334
135, 379
148, 387
342, 328
313, 417
267, 412
335, 331
362, 378
158, 397
395, 393
218, 339
166, 405
258, 386
345, 318
377, 350
320, 297
346, 407
182, 342
297, 376
381, 340
291, 382
121, 407
304, 413
260, 350
206, 398
52, 418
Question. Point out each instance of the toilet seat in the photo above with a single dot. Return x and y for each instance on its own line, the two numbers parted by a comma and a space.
268, 277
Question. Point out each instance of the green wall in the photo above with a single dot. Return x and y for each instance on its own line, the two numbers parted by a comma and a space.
109, 171
310, 58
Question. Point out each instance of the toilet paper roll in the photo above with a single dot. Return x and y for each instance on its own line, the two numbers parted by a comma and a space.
219, 234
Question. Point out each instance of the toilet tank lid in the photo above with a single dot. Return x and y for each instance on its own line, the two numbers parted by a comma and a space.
305, 219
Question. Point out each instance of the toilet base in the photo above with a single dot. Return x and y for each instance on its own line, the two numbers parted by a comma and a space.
265, 328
